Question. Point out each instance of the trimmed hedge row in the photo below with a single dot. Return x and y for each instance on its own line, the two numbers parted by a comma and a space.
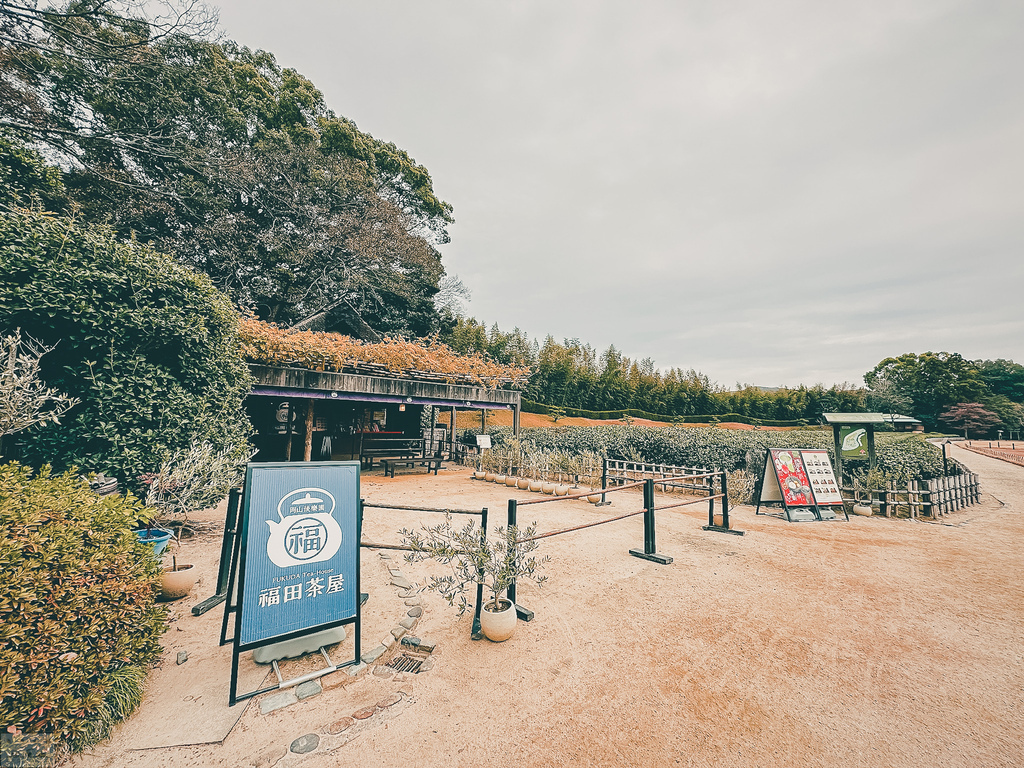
529, 406
901, 456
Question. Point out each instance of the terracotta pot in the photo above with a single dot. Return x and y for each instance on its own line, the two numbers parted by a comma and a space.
536, 486
523, 483
498, 626
177, 584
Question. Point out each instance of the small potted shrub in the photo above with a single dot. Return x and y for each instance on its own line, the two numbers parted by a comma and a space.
473, 559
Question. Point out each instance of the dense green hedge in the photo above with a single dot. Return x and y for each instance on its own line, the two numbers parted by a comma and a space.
900, 455
148, 346
79, 624
529, 406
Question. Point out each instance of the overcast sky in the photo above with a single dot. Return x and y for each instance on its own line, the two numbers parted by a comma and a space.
775, 193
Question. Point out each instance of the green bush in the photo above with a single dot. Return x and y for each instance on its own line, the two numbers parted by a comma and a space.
148, 346
79, 623
901, 456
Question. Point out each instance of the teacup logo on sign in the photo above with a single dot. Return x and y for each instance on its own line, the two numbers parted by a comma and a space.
306, 532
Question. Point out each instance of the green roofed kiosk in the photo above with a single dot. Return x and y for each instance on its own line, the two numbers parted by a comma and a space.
854, 435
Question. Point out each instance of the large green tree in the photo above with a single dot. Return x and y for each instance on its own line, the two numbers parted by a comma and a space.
215, 154
933, 381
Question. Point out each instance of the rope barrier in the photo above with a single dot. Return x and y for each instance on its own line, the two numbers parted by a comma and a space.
581, 527
578, 495
424, 509
687, 503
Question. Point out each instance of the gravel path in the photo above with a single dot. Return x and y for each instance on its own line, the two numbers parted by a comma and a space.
869, 643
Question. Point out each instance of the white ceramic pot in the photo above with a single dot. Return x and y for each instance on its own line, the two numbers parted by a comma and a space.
511, 481
523, 483
479, 474
594, 498
536, 486
498, 626
561, 490
499, 479
862, 509
177, 584
489, 477
548, 488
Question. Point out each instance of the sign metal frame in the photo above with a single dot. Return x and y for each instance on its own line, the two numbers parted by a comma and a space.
771, 488
237, 587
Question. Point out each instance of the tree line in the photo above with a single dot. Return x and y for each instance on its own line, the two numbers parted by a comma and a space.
573, 374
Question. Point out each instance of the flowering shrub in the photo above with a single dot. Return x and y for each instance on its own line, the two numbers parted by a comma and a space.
266, 344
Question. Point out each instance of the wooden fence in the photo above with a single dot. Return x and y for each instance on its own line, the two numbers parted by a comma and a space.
928, 498
1011, 453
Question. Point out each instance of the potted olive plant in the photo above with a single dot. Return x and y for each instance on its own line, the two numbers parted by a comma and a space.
474, 559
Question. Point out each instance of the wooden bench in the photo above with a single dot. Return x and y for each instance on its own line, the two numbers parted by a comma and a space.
389, 464
390, 448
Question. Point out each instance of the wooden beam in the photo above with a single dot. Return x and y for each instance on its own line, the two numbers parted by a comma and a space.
307, 451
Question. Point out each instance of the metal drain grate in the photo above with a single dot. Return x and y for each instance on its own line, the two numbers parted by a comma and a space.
406, 663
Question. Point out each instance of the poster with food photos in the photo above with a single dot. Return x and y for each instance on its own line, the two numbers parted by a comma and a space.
822, 479
792, 478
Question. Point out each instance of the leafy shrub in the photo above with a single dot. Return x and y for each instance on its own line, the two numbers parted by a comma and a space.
78, 619
149, 347
900, 456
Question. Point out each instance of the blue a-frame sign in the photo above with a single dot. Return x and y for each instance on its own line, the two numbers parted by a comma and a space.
296, 564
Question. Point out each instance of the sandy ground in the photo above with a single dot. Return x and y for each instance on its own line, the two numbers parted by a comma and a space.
869, 643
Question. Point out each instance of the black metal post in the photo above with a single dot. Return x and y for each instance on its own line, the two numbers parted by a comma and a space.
945, 458
523, 613
724, 527
604, 483
477, 633
649, 552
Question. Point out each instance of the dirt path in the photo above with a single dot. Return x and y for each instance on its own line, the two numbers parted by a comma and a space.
870, 643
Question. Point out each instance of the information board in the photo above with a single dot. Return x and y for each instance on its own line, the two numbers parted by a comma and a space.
483, 441
822, 479
300, 550
853, 442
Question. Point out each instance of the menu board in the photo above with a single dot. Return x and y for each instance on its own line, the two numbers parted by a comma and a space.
822, 478
792, 477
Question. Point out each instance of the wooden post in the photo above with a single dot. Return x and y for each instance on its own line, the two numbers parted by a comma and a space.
839, 454
307, 451
483, 421
288, 433
515, 420
451, 438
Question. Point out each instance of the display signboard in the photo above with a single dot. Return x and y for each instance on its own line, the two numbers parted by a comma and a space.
298, 557
822, 479
853, 442
483, 441
802, 481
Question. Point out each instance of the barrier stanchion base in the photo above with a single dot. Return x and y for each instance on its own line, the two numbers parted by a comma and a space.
477, 633
524, 613
720, 529
603, 504
654, 557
